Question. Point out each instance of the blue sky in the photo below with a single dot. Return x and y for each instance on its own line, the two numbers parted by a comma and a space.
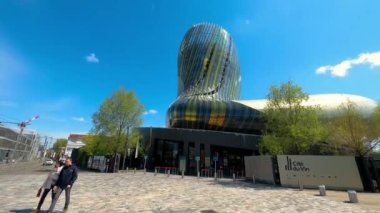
61, 59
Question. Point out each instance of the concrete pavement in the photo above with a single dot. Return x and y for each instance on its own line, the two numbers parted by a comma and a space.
128, 192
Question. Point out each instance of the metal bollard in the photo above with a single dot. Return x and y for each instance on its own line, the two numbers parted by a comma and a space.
233, 177
300, 184
155, 172
134, 171
198, 174
353, 196
253, 179
322, 190
127, 169
168, 172
183, 173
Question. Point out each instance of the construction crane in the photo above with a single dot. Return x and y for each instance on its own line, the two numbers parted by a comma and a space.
27, 122
22, 124
18, 141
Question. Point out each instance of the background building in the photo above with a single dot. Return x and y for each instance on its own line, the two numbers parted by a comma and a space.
208, 80
204, 122
75, 141
207, 121
16, 147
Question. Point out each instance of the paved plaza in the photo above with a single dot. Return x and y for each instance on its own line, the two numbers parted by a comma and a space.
128, 192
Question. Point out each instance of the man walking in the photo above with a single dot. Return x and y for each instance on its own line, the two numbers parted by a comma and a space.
65, 182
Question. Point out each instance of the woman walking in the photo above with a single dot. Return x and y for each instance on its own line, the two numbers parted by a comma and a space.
48, 185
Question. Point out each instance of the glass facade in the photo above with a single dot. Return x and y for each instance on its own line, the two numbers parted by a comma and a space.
208, 64
167, 153
208, 82
191, 161
230, 160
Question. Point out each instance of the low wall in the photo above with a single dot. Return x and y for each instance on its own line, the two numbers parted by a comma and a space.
335, 172
260, 167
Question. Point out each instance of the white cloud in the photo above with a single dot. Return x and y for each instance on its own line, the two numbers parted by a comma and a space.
322, 70
341, 69
79, 119
92, 58
373, 59
150, 112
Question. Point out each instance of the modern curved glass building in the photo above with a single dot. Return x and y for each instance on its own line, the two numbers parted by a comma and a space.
208, 81
208, 126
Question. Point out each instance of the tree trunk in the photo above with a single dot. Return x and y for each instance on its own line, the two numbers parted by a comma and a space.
126, 147
125, 154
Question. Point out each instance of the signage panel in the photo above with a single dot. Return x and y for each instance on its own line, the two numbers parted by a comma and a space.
336, 172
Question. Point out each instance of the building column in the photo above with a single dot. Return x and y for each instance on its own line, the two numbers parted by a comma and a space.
185, 149
207, 155
207, 150
149, 141
197, 148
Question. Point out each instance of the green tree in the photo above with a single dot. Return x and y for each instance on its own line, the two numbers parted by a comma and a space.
375, 128
94, 146
114, 121
291, 128
58, 145
92, 142
354, 131
375, 122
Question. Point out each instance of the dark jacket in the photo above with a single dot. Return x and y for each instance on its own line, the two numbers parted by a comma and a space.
67, 176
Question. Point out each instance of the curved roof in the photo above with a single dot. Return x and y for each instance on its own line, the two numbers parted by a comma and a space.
326, 101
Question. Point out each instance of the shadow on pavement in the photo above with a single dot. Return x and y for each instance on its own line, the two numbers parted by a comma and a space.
43, 170
245, 184
22, 210
30, 210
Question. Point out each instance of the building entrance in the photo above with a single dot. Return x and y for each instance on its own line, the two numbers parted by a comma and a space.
168, 153
229, 160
